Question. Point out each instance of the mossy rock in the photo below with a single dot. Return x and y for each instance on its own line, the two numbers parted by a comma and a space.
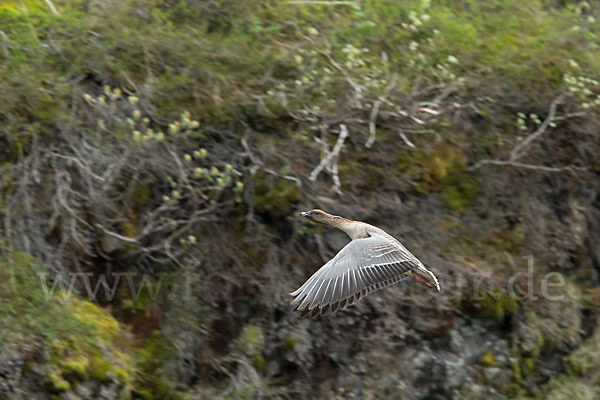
552, 324
487, 358
569, 388
80, 340
585, 360
77, 358
495, 305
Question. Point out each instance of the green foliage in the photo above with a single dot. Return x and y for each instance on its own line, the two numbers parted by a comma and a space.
145, 104
81, 340
153, 381
24, 306
585, 360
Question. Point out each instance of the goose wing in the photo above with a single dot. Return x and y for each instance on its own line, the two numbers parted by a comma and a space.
360, 268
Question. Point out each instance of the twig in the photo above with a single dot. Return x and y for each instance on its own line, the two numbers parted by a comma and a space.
52, 8
327, 159
337, 66
376, 106
408, 142
428, 110
527, 166
256, 163
519, 150
79, 163
337, 185
288, 177
447, 91
417, 120
569, 115
116, 235
372, 118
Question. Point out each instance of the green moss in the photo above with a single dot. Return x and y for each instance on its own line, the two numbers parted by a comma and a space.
517, 370
251, 340
105, 326
129, 228
494, 305
99, 368
441, 168
56, 382
569, 388
528, 365
140, 195
535, 353
145, 394
274, 195
459, 193
585, 360
81, 340
77, 365
511, 305
96, 357
258, 362
289, 344
123, 376
154, 349
488, 358
154, 378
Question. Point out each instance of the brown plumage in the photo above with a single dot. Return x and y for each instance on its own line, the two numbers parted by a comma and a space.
371, 261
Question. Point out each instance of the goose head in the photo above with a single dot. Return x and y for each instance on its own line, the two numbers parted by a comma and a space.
319, 216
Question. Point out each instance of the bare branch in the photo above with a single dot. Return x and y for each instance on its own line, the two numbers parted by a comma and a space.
256, 163
408, 142
376, 106
116, 235
337, 66
520, 149
526, 166
337, 185
52, 8
288, 177
329, 156
428, 110
372, 118
79, 163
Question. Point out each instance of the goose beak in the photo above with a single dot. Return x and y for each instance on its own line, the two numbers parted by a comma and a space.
305, 213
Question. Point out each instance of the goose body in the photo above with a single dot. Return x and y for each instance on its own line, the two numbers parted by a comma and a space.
372, 260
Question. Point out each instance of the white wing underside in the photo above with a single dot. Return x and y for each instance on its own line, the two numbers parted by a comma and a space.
360, 268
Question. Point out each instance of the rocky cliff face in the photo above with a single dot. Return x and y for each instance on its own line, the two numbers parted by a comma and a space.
154, 156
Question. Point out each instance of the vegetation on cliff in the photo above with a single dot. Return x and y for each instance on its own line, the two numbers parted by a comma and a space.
174, 141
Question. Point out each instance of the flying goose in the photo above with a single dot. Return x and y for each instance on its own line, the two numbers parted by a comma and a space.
371, 261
